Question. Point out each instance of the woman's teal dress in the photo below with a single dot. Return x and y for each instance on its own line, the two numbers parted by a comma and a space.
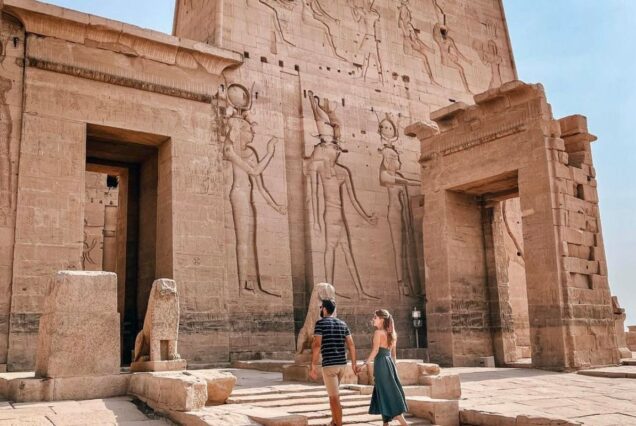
388, 397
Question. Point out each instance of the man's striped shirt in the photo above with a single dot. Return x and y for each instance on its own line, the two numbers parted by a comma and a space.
332, 347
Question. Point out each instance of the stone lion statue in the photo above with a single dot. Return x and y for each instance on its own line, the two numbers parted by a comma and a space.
320, 292
157, 341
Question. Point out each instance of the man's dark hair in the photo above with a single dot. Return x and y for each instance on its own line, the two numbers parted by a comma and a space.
329, 305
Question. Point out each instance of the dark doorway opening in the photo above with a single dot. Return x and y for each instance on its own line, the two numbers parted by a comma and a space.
122, 174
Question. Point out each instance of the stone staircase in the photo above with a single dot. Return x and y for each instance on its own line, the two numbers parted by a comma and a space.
311, 402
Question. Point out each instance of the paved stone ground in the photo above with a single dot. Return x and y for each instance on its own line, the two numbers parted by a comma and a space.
582, 399
112, 411
587, 400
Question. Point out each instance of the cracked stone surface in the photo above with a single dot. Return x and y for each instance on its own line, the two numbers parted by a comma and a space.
569, 396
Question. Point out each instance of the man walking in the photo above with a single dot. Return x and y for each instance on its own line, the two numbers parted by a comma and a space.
331, 335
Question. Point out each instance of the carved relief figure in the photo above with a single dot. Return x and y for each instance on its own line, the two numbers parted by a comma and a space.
322, 168
274, 5
369, 41
451, 55
412, 41
247, 173
88, 246
321, 15
489, 55
6, 128
399, 215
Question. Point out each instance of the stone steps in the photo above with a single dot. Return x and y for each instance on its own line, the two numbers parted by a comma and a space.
312, 402
255, 399
276, 390
350, 400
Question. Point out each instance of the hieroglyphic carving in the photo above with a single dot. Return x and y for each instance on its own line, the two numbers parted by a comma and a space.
6, 127
367, 18
321, 15
322, 168
247, 173
399, 213
286, 5
489, 55
411, 39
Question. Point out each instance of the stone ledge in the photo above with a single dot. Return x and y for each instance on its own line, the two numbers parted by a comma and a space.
269, 365
25, 387
623, 372
148, 366
483, 418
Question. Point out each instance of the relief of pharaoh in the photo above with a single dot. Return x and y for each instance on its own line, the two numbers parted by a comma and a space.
399, 207
450, 53
247, 174
367, 18
322, 168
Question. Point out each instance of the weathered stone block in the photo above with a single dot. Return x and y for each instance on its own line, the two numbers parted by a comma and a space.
438, 411
444, 386
220, 384
487, 361
79, 330
170, 391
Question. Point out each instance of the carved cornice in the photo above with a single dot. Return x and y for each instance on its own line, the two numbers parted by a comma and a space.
471, 140
497, 113
115, 79
94, 31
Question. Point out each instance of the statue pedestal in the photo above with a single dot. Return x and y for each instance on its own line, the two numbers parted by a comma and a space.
146, 366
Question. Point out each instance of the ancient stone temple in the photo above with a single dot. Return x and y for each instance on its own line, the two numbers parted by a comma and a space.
261, 149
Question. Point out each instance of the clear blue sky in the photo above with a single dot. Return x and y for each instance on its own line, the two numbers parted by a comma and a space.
582, 52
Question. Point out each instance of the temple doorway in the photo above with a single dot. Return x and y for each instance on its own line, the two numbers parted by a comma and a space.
120, 221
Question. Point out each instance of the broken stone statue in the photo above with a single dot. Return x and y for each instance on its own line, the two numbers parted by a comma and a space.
156, 343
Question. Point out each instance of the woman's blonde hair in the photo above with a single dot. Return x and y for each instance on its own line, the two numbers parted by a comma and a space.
387, 325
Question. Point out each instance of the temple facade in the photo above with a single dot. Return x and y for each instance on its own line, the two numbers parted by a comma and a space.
261, 149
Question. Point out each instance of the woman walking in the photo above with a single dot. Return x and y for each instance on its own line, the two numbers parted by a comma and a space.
388, 397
